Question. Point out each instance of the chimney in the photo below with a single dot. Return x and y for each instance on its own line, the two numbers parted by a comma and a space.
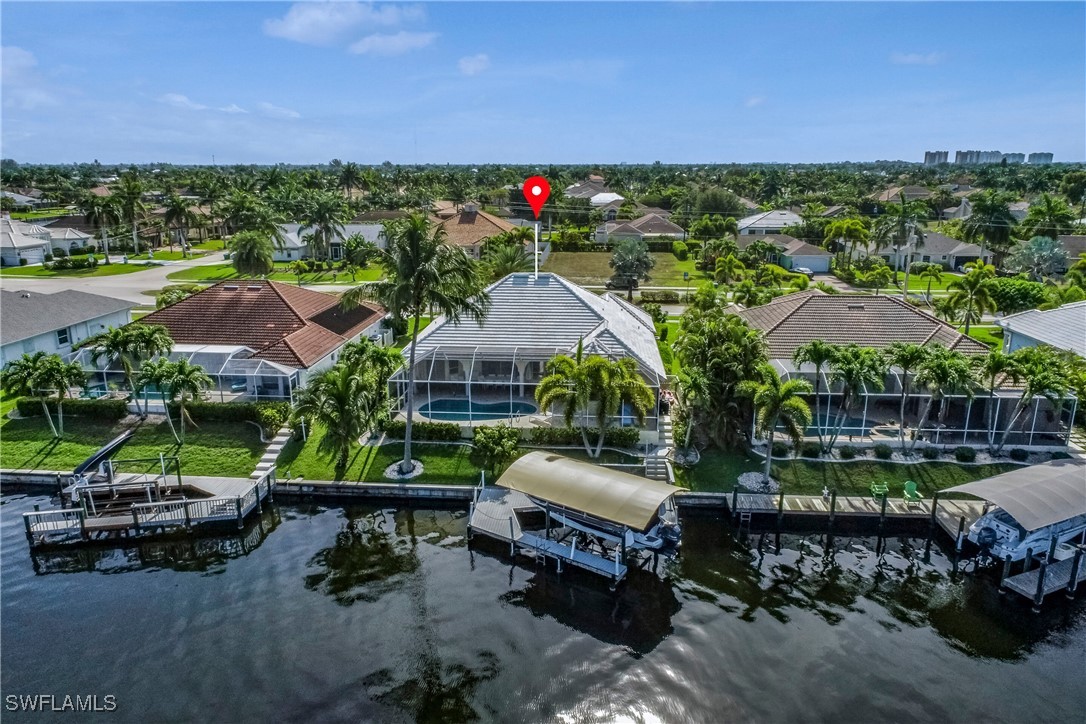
471, 207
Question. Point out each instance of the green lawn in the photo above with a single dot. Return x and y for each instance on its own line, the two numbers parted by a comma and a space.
102, 270
591, 267
220, 272
405, 338
163, 255
989, 334
919, 284
7, 403
40, 214
214, 448
718, 470
209, 245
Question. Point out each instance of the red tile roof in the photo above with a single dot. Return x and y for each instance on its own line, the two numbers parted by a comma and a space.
281, 323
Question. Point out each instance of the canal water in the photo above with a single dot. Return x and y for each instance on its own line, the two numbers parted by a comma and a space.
359, 613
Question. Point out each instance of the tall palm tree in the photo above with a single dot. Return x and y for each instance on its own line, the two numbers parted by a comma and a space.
971, 293
943, 372
1044, 373
507, 259
349, 178
340, 402
178, 215
878, 277
130, 345
252, 253
186, 381
324, 214
902, 227
948, 309
20, 377
1049, 216
847, 234
991, 223
934, 274
907, 357
157, 372
859, 370
693, 391
129, 194
423, 272
728, 268
996, 369
102, 214
56, 374
820, 354
778, 403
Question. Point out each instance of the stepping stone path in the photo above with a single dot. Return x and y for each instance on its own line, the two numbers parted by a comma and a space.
267, 462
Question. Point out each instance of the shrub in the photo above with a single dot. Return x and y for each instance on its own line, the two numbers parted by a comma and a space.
1019, 455
680, 250
930, 453
810, 450
48, 258
22, 261
269, 415
109, 410
436, 431
655, 311
614, 437
883, 451
495, 446
270, 418
780, 449
663, 333
848, 452
965, 454
664, 296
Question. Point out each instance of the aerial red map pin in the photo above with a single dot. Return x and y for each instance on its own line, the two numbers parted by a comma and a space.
536, 191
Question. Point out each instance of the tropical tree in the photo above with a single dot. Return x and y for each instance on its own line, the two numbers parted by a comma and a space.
907, 357
178, 215
172, 295
299, 269
342, 406
102, 214
991, 223
56, 374
693, 392
943, 372
933, 273
847, 234
1048, 216
778, 403
506, 259
20, 377
1040, 257
1044, 373
947, 309
860, 370
728, 269
971, 295
995, 369
631, 262
820, 354
878, 277
324, 215
129, 194
129, 346
423, 272
350, 176
157, 373
185, 381
902, 227
252, 254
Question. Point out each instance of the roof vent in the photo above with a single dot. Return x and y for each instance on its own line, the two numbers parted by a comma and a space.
231, 287
26, 295
254, 287
856, 307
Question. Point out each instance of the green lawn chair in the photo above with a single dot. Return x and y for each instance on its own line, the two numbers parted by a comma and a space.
911, 495
879, 490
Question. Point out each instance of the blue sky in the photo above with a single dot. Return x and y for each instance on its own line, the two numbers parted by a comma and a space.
250, 82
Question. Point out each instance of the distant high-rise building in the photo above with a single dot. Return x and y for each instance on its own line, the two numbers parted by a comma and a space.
1014, 157
977, 157
934, 158
1040, 158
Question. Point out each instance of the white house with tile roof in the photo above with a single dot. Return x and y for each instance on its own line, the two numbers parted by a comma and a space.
1062, 328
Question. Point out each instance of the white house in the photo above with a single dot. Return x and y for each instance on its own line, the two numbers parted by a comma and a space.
649, 227
296, 247
768, 222
1062, 328
938, 249
793, 253
34, 322
19, 241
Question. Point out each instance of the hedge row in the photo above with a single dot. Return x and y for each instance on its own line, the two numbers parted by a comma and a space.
111, 410
269, 415
438, 431
661, 296
626, 437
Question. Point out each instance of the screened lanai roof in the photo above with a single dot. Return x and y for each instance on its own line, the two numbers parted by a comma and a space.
1035, 496
601, 492
216, 359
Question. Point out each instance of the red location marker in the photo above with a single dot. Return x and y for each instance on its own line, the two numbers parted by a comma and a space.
536, 190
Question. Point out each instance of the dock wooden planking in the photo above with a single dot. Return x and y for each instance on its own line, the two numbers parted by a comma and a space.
948, 512
1057, 578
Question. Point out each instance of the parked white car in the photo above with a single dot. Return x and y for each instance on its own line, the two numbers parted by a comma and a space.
805, 271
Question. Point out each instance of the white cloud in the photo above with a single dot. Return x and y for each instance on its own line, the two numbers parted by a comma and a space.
392, 44
24, 87
179, 101
474, 64
324, 23
233, 108
273, 111
754, 101
932, 58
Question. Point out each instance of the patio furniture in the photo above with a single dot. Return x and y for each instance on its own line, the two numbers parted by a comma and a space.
911, 494
238, 385
879, 490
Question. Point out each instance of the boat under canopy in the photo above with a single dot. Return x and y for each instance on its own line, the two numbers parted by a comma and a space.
603, 493
1037, 496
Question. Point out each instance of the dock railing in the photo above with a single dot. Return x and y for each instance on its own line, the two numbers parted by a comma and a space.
64, 520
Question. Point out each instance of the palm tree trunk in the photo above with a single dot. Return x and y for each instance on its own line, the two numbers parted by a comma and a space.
901, 411
135, 237
689, 428
768, 454
584, 439
181, 414
839, 423
920, 421
405, 464
60, 413
49, 417
166, 408
818, 409
105, 245
1023, 403
991, 418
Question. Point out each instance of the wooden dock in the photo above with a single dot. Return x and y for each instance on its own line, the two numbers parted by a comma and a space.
1037, 583
494, 514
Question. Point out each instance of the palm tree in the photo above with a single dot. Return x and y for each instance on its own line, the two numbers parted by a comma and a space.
858, 369
1048, 216
820, 354
129, 345
157, 372
507, 259
991, 223
185, 381
631, 262
693, 391
423, 272
178, 215
907, 357
129, 194
971, 293
948, 309
252, 253
728, 269
934, 274
20, 377
323, 214
61, 376
943, 372
349, 178
902, 227
102, 214
1044, 373
996, 369
878, 277
747, 294
778, 403
340, 403
847, 233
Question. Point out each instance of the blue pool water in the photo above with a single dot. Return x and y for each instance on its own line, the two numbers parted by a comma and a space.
458, 410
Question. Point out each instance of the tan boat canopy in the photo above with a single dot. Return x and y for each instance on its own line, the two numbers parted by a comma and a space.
1035, 496
601, 492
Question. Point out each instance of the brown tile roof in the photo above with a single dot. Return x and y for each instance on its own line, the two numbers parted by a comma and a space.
379, 215
468, 228
1073, 244
869, 321
653, 224
893, 194
281, 323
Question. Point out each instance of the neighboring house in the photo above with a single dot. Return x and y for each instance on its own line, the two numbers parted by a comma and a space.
294, 245
259, 338
893, 194
22, 242
606, 198
1074, 245
835, 211
962, 211
792, 253
938, 249
768, 222
649, 227
69, 239
587, 189
1019, 209
379, 216
24, 200
34, 322
472, 372
790, 321
1062, 328
470, 228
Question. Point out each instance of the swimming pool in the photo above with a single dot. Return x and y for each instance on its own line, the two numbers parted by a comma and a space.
463, 410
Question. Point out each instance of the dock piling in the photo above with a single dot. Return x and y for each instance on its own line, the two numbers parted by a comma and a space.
241, 519
960, 539
1072, 584
780, 509
1006, 572
1040, 595
735, 502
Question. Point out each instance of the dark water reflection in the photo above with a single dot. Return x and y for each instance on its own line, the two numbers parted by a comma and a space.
363, 613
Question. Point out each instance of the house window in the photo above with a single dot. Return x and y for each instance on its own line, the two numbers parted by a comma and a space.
63, 337
925, 258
